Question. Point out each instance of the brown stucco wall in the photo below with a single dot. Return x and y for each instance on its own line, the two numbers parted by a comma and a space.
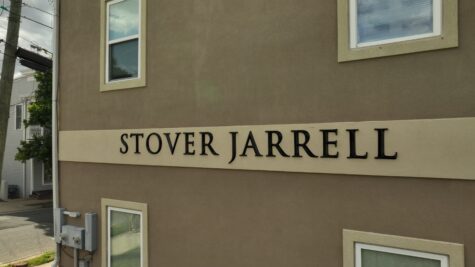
217, 218
256, 62
244, 62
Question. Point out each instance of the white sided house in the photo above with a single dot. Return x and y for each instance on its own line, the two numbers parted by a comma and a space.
24, 180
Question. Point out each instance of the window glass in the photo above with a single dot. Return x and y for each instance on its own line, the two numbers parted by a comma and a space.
123, 19
370, 258
124, 60
125, 239
47, 176
389, 19
18, 116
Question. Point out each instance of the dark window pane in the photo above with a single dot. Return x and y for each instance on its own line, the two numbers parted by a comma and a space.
387, 19
124, 60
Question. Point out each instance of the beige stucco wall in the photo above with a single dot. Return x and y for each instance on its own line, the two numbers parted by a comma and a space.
255, 62
203, 218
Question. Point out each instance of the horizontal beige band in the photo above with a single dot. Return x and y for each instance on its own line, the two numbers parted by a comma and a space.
437, 148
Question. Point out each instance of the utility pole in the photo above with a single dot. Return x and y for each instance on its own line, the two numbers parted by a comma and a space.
6, 79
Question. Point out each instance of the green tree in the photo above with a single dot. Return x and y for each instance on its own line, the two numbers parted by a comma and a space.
39, 147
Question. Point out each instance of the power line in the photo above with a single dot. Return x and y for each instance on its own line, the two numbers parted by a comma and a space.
21, 37
17, 60
5, 54
34, 46
44, 11
21, 16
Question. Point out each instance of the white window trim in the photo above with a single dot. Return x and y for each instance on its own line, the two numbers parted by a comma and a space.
436, 26
443, 259
448, 37
454, 251
19, 127
109, 210
127, 83
128, 38
127, 206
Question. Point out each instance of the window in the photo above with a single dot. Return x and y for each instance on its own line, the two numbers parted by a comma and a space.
123, 44
18, 116
376, 28
363, 249
47, 175
124, 233
375, 256
375, 22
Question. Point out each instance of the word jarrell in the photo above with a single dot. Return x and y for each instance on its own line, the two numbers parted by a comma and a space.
201, 144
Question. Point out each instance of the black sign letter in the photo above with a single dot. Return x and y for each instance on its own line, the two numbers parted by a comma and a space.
125, 147
251, 143
137, 137
169, 141
189, 143
159, 140
382, 145
233, 146
327, 143
353, 153
271, 144
298, 144
208, 145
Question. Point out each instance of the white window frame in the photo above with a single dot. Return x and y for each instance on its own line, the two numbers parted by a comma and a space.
126, 83
437, 27
120, 40
19, 127
109, 210
398, 245
447, 38
443, 259
107, 205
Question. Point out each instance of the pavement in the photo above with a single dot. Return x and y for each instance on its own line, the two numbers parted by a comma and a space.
17, 205
26, 229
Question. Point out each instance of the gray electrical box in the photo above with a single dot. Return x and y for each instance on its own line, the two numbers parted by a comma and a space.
90, 224
72, 236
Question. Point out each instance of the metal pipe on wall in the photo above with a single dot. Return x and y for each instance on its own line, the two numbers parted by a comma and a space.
54, 123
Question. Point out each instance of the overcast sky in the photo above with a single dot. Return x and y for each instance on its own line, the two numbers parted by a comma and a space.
30, 32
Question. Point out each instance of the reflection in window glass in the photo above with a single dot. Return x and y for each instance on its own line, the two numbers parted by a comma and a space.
123, 60
388, 19
123, 19
370, 258
125, 237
